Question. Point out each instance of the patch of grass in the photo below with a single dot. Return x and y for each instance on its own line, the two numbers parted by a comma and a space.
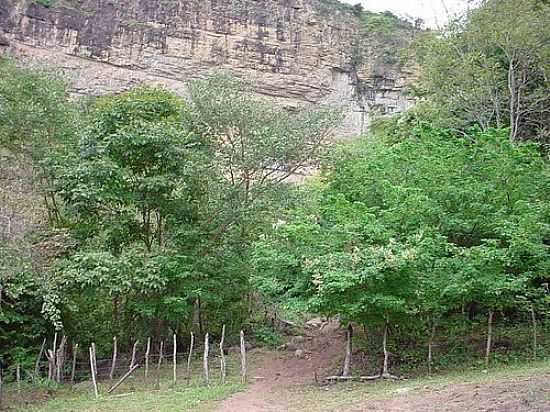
134, 395
179, 399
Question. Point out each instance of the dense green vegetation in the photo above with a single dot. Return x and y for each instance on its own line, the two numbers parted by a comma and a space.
144, 214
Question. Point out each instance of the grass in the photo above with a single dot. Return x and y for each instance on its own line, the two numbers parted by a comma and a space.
134, 395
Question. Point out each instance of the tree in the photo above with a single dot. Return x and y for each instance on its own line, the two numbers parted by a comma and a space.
489, 68
407, 231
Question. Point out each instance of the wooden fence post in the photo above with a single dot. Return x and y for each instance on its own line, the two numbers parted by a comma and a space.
134, 349
243, 359
113, 361
147, 352
161, 357
205, 359
174, 360
222, 357
93, 370
95, 358
18, 376
189, 357
73, 369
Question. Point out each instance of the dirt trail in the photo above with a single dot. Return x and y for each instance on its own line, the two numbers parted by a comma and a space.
279, 371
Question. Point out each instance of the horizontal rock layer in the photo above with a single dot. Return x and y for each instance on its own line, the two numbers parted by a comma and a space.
298, 52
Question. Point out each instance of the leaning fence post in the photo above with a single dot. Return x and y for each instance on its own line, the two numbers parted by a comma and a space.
174, 360
113, 361
189, 357
243, 359
205, 360
92, 368
222, 357
40, 354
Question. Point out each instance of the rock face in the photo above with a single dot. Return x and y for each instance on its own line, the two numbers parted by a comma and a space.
295, 51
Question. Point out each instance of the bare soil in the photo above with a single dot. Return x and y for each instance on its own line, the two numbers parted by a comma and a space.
277, 372
282, 382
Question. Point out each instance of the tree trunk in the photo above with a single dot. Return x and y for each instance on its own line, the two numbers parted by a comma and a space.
73, 368
347, 360
489, 338
60, 360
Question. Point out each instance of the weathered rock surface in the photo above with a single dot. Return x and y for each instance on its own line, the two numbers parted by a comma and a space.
295, 51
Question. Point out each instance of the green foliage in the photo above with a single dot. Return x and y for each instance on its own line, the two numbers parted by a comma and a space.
46, 3
490, 68
415, 229
267, 336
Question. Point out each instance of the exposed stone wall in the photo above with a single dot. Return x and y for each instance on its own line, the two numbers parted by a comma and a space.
293, 50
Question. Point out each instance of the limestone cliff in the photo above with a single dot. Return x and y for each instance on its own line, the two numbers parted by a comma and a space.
295, 51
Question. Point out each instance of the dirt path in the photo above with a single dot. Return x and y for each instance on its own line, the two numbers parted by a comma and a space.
279, 371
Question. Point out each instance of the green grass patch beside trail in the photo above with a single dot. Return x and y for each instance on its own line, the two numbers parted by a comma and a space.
180, 399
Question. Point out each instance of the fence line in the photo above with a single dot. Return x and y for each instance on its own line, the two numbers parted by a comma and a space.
82, 368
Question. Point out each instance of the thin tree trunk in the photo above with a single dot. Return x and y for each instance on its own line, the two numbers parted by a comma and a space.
430, 347
113, 360
134, 350
92, 369
73, 368
385, 371
51, 364
222, 357
489, 338
189, 357
347, 360
243, 359
39, 358
534, 323
60, 360
161, 357
205, 360
174, 360
147, 352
